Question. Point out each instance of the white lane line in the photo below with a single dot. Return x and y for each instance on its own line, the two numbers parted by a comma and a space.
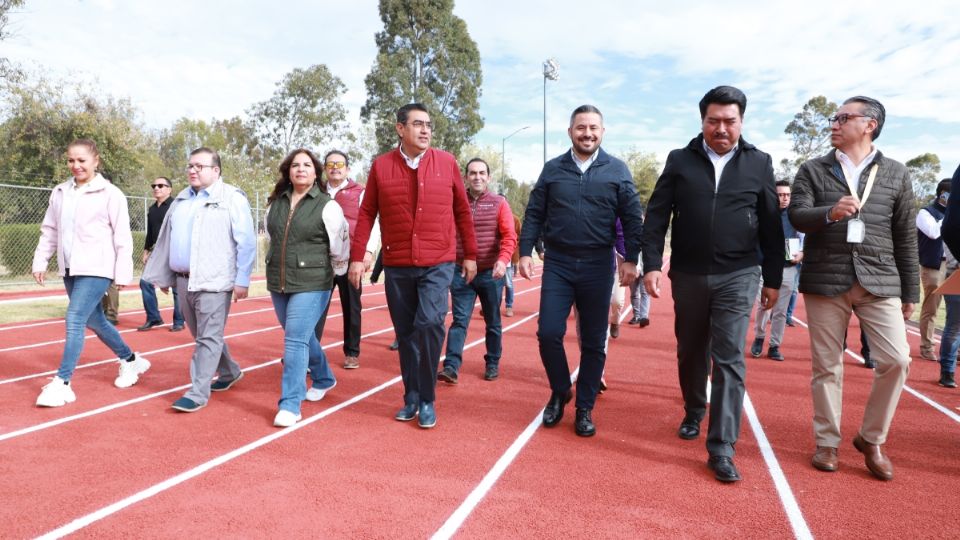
919, 395
790, 505
107, 511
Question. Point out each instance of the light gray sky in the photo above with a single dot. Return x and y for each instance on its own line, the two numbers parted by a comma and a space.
645, 64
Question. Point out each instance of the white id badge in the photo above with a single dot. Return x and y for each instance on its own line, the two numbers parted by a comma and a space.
855, 231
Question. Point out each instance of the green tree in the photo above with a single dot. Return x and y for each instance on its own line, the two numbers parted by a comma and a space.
810, 131
925, 174
425, 55
304, 111
8, 71
645, 168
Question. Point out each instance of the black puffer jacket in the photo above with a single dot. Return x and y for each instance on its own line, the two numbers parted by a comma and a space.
886, 262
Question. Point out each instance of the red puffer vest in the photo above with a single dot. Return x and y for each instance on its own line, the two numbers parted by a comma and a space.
485, 209
421, 211
349, 200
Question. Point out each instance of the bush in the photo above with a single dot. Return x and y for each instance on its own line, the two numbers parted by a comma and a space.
17, 244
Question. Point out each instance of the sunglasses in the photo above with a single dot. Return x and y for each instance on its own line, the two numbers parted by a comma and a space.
158, 186
335, 165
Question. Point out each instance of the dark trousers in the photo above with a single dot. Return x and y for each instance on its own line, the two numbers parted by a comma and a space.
350, 304
464, 295
417, 300
712, 316
586, 283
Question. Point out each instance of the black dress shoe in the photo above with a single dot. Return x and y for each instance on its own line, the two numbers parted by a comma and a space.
584, 424
643, 322
491, 373
635, 320
689, 429
868, 362
553, 412
723, 469
395, 345
148, 325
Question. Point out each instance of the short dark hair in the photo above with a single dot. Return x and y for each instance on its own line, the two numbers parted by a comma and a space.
404, 112
723, 95
284, 182
872, 108
165, 179
476, 160
783, 183
214, 156
943, 186
585, 109
346, 158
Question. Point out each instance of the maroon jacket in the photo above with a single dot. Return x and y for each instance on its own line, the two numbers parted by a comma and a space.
421, 211
349, 200
493, 224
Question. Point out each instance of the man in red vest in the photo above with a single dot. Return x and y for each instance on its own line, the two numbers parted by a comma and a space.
419, 195
348, 195
496, 242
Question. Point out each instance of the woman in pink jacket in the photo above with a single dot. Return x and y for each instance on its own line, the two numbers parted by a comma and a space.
87, 225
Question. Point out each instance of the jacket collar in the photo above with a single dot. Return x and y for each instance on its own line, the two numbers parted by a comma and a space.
566, 160
97, 183
313, 193
829, 162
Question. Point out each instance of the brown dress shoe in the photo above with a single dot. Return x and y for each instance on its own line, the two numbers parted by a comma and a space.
878, 462
351, 362
825, 459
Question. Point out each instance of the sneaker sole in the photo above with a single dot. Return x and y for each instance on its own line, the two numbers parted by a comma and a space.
351, 366
138, 373
49, 405
427, 426
324, 394
184, 409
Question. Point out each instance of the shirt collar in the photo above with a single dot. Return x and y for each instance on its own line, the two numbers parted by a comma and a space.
715, 156
584, 164
412, 162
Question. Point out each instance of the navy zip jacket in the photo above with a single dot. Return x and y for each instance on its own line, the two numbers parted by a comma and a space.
716, 229
577, 212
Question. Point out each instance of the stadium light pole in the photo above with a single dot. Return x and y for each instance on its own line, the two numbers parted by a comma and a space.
503, 154
551, 70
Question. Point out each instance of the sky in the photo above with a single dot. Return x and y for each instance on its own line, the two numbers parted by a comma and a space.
644, 64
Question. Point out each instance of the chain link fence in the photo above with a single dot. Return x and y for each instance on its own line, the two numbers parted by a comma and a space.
21, 212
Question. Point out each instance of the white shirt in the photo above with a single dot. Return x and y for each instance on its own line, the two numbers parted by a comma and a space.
374, 242
412, 162
853, 170
68, 212
927, 224
585, 164
719, 162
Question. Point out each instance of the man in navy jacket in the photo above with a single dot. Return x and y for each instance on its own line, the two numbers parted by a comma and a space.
719, 193
575, 205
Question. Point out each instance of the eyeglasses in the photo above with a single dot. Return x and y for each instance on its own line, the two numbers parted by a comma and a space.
335, 164
842, 118
197, 166
420, 124
158, 186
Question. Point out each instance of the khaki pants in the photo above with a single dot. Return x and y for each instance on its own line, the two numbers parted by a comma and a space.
930, 279
882, 320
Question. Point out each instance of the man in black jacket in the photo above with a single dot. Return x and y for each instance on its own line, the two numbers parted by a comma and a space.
575, 205
719, 194
162, 189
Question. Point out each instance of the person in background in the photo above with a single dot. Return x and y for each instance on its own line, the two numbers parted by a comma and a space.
511, 271
87, 225
309, 245
162, 191
932, 265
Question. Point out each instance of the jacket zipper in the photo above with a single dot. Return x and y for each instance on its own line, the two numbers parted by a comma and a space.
283, 247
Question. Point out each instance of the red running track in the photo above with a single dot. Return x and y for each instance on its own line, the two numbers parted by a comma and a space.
121, 463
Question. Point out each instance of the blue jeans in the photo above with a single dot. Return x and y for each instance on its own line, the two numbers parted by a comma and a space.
950, 340
464, 295
149, 293
298, 314
508, 285
585, 282
84, 310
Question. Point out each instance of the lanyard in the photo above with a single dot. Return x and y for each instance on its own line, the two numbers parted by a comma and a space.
866, 191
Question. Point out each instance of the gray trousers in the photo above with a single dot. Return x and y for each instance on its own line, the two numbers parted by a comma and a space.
777, 315
712, 316
206, 316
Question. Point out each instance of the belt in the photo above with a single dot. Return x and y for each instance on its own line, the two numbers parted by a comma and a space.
184, 275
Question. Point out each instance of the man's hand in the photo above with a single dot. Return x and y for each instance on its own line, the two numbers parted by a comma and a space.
145, 256
845, 207
768, 297
651, 282
469, 270
526, 267
355, 273
165, 290
38, 276
239, 293
628, 274
367, 261
499, 270
907, 310
797, 258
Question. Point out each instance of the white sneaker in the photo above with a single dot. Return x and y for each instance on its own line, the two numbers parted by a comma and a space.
56, 393
130, 371
286, 418
316, 394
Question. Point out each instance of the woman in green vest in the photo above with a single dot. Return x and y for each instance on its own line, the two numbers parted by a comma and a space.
309, 243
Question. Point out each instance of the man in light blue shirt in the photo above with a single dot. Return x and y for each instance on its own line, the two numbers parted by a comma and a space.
206, 249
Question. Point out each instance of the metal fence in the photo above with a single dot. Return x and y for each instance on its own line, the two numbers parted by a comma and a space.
21, 212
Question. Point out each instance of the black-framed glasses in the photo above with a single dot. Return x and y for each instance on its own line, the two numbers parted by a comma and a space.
842, 118
197, 166
420, 124
158, 186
